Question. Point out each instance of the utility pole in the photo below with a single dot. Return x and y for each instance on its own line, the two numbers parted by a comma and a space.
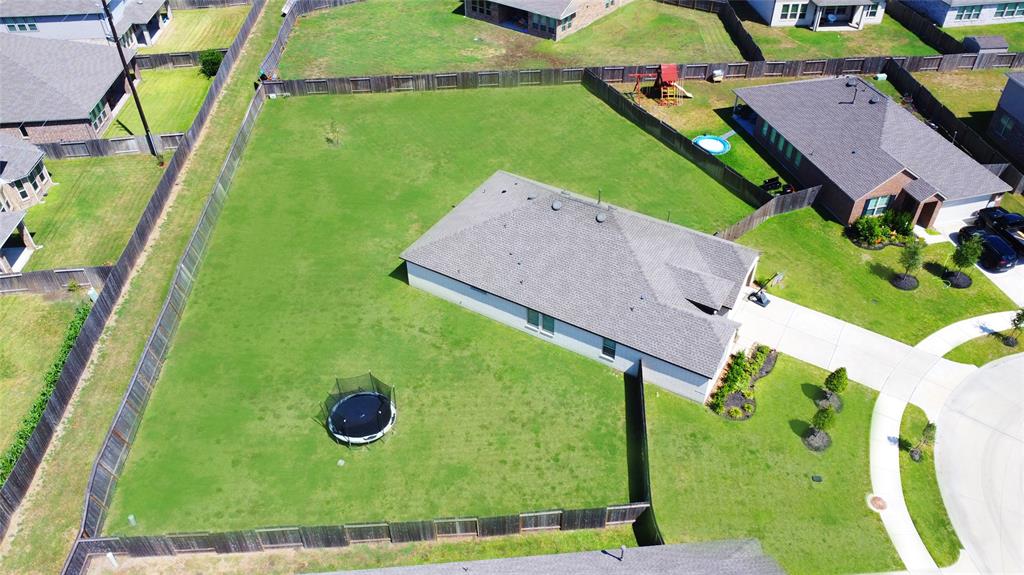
128, 77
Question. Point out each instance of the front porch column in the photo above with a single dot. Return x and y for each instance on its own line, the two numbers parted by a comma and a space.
817, 17
5, 267
858, 17
26, 237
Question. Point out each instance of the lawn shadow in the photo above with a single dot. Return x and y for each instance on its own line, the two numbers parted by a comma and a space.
799, 427
979, 121
935, 268
400, 273
460, 10
123, 127
881, 271
811, 391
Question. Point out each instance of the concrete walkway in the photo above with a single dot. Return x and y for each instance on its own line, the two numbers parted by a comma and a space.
899, 372
943, 341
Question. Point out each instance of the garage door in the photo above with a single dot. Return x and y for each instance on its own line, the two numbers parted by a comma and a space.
955, 211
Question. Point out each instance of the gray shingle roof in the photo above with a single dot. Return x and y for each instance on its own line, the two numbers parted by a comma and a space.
9, 222
861, 141
631, 278
137, 12
47, 80
743, 557
17, 158
48, 7
557, 9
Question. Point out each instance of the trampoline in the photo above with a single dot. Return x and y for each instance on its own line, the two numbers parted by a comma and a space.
713, 145
360, 410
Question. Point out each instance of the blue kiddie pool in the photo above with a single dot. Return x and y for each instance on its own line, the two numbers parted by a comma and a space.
713, 144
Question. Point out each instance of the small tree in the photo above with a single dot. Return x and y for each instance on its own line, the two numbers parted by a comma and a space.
209, 62
928, 434
823, 419
966, 255
912, 256
1018, 325
837, 381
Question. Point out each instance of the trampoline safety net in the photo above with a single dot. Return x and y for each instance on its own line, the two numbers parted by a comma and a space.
359, 409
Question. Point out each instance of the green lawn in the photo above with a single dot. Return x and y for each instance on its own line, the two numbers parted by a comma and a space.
1013, 202
971, 95
797, 43
982, 350
33, 328
88, 217
230, 392
710, 112
192, 30
825, 271
717, 479
170, 98
1013, 32
356, 557
921, 490
383, 36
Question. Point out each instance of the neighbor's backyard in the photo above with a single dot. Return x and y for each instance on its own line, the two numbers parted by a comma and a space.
823, 270
888, 38
192, 30
719, 479
384, 36
490, 420
89, 215
971, 95
170, 99
1014, 33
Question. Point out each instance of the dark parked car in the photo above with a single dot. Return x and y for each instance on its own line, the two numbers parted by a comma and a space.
996, 254
1008, 225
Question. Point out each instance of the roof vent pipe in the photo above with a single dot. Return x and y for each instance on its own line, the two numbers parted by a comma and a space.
556, 205
601, 216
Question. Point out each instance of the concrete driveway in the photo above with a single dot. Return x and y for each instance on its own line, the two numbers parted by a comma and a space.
980, 464
1010, 282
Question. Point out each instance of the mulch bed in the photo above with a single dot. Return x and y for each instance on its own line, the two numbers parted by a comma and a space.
830, 400
958, 280
905, 282
738, 400
817, 440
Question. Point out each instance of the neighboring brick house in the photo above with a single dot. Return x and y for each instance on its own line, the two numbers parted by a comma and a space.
59, 90
1007, 126
820, 14
552, 19
24, 180
610, 284
968, 12
136, 21
867, 152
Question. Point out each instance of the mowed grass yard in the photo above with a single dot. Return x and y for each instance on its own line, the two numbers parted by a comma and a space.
710, 112
88, 217
921, 490
170, 99
1013, 32
972, 95
888, 38
192, 30
719, 479
298, 288
823, 270
982, 350
387, 36
33, 328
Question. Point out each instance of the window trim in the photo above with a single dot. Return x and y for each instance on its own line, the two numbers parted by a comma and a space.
607, 344
872, 207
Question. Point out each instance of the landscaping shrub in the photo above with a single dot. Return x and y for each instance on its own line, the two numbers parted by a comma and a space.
870, 230
742, 372
900, 223
823, 419
837, 381
735, 412
209, 62
13, 452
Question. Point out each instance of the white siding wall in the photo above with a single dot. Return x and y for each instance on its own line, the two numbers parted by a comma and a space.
771, 12
671, 377
988, 16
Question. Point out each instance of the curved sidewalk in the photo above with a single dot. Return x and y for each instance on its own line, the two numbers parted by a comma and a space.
943, 341
902, 374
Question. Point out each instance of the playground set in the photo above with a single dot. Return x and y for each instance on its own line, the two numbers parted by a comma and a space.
666, 88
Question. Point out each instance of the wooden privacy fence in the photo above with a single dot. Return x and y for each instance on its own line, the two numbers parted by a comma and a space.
110, 460
16, 485
323, 536
730, 21
111, 146
171, 59
778, 205
52, 281
954, 129
193, 4
923, 28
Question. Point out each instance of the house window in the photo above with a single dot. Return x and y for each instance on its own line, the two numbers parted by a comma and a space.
567, 21
607, 348
543, 23
532, 317
764, 128
20, 24
781, 142
1004, 127
480, 6
877, 206
771, 138
968, 12
789, 151
547, 324
793, 11
799, 157
608, 4
98, 115
871, 11
1010, 10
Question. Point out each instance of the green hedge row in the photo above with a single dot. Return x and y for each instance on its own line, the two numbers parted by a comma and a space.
13, 452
